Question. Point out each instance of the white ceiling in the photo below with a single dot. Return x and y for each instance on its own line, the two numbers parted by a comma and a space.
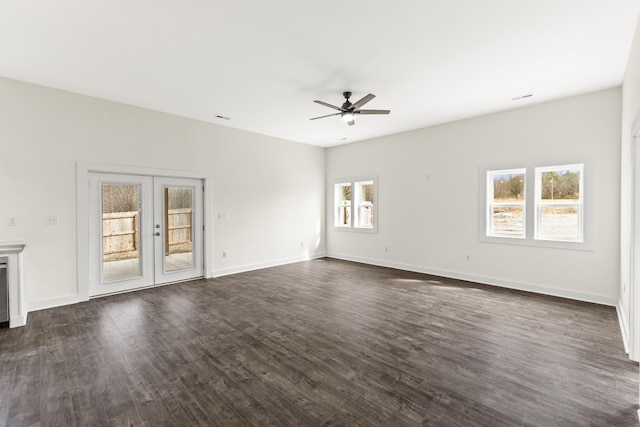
262, 63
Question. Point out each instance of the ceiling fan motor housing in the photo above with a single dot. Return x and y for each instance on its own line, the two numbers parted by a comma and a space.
347, 104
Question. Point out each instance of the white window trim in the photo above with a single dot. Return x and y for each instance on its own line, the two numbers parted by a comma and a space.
490, 203
539, 204
354, 205
338, 206
588, 181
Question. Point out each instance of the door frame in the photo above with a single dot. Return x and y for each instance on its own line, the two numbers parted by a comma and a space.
633, 337
83, 169
97, 283
160, 211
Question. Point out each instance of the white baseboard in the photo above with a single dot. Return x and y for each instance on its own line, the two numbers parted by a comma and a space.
52, 302
17, 321
259, 266
74, 299
624, 329
522, 286
529, 287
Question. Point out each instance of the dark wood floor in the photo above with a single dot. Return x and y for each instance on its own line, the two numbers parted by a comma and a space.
319, 343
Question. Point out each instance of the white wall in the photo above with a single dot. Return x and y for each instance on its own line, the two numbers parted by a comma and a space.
272, 190
630, 111
429, 201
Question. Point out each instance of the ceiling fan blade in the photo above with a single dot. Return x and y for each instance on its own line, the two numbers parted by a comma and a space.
363, 101
372, 111
322, 117
328, 105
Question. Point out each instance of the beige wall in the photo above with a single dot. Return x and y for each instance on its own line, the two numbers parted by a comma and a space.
272, 190
429, 196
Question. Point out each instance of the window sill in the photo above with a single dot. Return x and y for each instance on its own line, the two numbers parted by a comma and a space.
519, 241
356, 230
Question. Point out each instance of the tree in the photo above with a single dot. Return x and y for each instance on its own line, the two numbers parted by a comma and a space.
180, 198
508, 187
562, 185
124, 198
345, 197
119, 198
367, 193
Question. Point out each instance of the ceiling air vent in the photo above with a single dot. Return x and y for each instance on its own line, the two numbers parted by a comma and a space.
517, 98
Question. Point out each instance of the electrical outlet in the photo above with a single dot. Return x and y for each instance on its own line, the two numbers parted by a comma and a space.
224, 254
386, 248
12, 222
223, 215
468, 257
51, 220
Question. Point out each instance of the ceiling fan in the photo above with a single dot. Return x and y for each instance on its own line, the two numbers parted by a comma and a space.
348, 110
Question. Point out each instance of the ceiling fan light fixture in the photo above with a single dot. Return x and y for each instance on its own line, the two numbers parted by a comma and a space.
349, 118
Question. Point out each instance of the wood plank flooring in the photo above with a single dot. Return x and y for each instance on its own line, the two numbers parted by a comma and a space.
319, 343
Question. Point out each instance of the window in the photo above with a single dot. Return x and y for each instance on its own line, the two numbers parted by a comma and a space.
506, 203
559, 206
364, 204
343, 204
539, 206
354, 206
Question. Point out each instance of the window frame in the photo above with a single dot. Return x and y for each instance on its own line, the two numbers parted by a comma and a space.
587, 182
540, 203
355, 204
338, 205
491, 203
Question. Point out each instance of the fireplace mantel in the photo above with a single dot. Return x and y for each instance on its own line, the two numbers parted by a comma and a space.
15, 268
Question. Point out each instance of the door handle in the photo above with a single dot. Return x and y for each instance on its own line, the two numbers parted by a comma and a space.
157, 233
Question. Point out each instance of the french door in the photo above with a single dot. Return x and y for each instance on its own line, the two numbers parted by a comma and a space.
144, 231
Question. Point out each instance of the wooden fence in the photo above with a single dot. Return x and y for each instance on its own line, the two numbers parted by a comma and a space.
120, 233
179, 238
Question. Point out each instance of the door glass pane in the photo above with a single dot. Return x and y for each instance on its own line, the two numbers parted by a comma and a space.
178, 233
120, 231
